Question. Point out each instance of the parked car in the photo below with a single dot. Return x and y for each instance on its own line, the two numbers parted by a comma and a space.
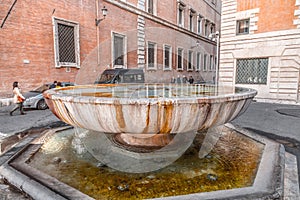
35, 99
121, 76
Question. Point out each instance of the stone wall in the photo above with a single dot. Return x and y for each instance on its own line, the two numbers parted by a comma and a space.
282, 47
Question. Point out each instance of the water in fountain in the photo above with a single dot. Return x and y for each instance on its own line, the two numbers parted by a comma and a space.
231, 163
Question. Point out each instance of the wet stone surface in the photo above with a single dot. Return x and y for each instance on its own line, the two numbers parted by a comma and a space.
9, 193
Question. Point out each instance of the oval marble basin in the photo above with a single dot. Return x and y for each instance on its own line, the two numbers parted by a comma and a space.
148, 108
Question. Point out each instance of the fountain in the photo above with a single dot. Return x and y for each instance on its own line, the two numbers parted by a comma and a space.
153, 124
147, 141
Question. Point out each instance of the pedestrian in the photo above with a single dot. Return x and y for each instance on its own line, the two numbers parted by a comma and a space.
58, 85
178, 80
18, 99
184, 79
53, 85
191, 80
173, 80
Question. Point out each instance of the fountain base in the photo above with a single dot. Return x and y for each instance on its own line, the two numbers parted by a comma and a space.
269, 182
145, 141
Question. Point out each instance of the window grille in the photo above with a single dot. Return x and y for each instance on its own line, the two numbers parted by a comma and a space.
66, 43
252, 71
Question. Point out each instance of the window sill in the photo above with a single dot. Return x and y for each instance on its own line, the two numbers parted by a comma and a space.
67, 66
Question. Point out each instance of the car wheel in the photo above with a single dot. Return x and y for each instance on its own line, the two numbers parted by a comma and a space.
41, 105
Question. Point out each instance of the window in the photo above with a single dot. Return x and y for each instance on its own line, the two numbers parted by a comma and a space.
215, 64
167, 57
190, 61
180, 59
119, 49
211, 63
199, 25
206, 31
205, 62
151, 6
192, 14
242, 26
252, 71
212, 28
191, 22
151, 55
198, 62
181, 15
66, 43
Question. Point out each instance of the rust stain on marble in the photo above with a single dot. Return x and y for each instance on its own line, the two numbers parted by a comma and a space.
167, 110
119, 115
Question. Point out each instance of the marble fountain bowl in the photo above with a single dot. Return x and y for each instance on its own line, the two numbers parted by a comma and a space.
148, 108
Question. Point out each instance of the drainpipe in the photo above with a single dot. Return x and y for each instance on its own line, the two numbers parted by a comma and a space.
8, 13
97, 35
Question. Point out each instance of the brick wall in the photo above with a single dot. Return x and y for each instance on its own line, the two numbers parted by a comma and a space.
27, 45
27, 40
273, 15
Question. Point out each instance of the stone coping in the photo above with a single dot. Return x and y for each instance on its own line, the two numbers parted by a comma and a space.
87, 94
268, 183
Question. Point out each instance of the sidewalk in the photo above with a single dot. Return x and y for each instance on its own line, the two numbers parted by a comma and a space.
6, 102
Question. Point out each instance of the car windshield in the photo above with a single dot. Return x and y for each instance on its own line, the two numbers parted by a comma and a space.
106, 77
41, 88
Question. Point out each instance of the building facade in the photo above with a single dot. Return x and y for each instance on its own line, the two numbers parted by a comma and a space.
42, 41
260, 47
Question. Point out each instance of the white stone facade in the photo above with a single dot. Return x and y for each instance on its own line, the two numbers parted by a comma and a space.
282, 48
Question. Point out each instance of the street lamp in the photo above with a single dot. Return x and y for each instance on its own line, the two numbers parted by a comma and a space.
216, 37
104, 13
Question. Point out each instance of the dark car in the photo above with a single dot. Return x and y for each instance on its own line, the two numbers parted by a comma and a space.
35, 99
121, 76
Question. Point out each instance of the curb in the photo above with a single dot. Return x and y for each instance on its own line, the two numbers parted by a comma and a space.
6, 102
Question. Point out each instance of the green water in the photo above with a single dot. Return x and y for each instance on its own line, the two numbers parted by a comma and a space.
232, 163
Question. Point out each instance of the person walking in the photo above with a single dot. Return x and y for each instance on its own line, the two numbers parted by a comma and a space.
18, 99
59, 85
53, 85
191, 80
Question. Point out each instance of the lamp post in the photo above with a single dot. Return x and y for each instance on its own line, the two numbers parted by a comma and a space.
104, 13
216, 37
97, 22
